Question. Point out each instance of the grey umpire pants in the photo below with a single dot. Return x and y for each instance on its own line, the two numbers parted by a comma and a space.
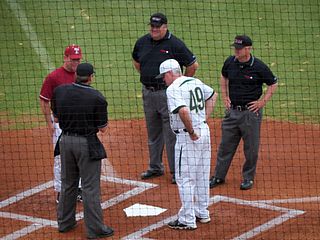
236, 125
158, 128
75, 162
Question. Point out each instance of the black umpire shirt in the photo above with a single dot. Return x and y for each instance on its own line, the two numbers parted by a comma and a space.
80, 109
150, 54
246, 79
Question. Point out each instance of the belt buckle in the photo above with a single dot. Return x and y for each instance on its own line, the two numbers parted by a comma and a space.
239, 108
152, 89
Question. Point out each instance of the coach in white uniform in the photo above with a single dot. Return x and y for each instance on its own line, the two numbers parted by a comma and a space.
190, 103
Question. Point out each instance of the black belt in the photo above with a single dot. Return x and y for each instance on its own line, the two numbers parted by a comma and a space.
73, 134
177, 131
240, 107
155, 88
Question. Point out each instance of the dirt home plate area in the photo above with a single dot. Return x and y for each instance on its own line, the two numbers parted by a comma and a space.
284, 203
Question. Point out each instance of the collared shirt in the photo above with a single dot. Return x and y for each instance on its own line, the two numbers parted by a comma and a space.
246, 79
79, 108
188, 92
54, 79
150, 54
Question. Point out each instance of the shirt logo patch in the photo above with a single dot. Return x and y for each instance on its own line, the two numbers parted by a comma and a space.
164, 51
248, 77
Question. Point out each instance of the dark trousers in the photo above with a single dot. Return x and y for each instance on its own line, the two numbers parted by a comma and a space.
158, 128
239, 125
75, 163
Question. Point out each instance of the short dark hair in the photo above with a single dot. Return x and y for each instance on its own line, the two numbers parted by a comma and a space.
82, 79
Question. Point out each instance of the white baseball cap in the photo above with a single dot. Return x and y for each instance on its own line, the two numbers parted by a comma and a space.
166, 66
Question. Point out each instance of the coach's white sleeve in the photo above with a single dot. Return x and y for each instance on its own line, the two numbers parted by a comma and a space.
207, 92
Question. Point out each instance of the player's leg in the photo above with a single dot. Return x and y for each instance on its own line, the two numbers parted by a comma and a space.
230, 139
56, 162
185, 178
70, 178
203, 151
251, 139
154, 130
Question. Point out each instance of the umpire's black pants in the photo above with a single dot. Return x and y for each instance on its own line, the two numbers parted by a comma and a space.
236, 125
75, 163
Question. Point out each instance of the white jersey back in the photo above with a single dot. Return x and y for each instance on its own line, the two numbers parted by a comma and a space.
188, 92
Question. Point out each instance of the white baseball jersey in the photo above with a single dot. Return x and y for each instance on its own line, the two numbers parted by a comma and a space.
192, 158
189, 92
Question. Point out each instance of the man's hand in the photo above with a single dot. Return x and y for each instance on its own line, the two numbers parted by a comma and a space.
255, 106
227, 102
194, 136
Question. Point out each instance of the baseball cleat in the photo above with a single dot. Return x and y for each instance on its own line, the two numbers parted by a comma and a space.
203, 220
150, 174
177, 225
246, 185
215, 182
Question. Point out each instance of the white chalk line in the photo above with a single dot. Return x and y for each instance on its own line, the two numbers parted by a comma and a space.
31, 35
288, 214
22, 232
26, 193
38, 223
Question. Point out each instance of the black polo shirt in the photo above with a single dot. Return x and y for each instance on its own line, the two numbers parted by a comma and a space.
150, 54
79, 108
246, 79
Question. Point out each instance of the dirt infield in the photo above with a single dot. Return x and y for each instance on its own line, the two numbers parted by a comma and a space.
284, 203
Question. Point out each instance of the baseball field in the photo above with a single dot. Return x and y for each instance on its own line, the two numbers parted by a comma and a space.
285, 200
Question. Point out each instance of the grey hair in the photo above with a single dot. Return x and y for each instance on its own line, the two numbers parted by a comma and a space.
176, 71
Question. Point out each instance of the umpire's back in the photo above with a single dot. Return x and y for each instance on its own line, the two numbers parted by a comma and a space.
79, 108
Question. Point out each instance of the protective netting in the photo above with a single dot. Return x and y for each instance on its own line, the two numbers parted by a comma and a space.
284, 201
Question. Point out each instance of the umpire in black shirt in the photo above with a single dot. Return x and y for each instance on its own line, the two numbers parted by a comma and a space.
148, 53
241, 86
81, 112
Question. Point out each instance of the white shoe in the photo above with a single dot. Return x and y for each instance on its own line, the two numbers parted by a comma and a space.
203, 220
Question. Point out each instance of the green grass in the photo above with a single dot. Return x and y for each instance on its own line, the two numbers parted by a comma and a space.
285, 32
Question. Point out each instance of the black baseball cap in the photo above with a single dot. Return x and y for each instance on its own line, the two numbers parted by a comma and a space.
84, 69
157, 19
241, 41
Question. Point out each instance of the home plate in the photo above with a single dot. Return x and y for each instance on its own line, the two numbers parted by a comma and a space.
143, 210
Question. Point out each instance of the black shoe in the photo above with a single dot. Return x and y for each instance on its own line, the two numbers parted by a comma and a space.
107, 233
67, 229
215, 182
173, 179
79, 197
246, 185
151, 174
177, 225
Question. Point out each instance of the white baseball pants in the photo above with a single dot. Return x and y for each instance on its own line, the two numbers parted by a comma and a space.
192, 171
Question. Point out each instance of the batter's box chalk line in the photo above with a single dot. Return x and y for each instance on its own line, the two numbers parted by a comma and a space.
287, 214
38, 223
